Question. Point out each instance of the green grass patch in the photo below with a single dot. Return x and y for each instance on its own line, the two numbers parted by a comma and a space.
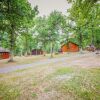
21, 70
34, 95
2, 75
47, 89
85, 85
16, 78
60, 71
7, 92
64, 70
34, 83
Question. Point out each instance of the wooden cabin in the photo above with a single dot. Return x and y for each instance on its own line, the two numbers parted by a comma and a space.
70, 47
4, 54
37, 52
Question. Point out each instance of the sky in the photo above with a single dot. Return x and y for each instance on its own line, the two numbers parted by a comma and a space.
47, 6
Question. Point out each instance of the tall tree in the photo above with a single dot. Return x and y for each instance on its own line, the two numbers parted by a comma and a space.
84, 14
13, 14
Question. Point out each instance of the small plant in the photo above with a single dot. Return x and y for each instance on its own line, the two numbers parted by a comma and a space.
34, 94
46, 89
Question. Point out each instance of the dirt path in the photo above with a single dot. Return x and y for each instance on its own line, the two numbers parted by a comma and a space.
74, 60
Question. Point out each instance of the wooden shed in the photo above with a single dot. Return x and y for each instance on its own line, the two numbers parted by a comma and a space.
70, 47
37, 52
4, 54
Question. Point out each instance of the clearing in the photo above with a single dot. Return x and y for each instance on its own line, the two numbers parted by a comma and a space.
66, 77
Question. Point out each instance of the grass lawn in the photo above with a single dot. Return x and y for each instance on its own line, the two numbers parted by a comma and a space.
84, 85
67, 82
55, 81
20, 60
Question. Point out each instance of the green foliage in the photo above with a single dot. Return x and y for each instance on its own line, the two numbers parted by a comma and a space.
48, 30
15, 18
85, 15
21, 31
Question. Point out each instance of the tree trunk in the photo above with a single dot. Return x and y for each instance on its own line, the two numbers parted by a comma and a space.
80, 41
26, 45
68, 43
11, 44
92, 42
43, 48
36, 52
51, 50
11, 56
0, 38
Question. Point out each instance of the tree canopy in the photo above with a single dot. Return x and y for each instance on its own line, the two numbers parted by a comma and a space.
22, 29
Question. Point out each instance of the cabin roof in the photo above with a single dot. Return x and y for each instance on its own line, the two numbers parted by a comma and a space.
71, 40
75, 41
3, 50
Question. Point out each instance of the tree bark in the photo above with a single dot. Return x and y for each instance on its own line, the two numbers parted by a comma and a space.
51, 50
80, 41
26, 45
0, 38
68, 43
92, 42
11, 44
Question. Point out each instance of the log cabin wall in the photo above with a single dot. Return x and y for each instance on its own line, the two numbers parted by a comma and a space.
4, 55
70, 47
